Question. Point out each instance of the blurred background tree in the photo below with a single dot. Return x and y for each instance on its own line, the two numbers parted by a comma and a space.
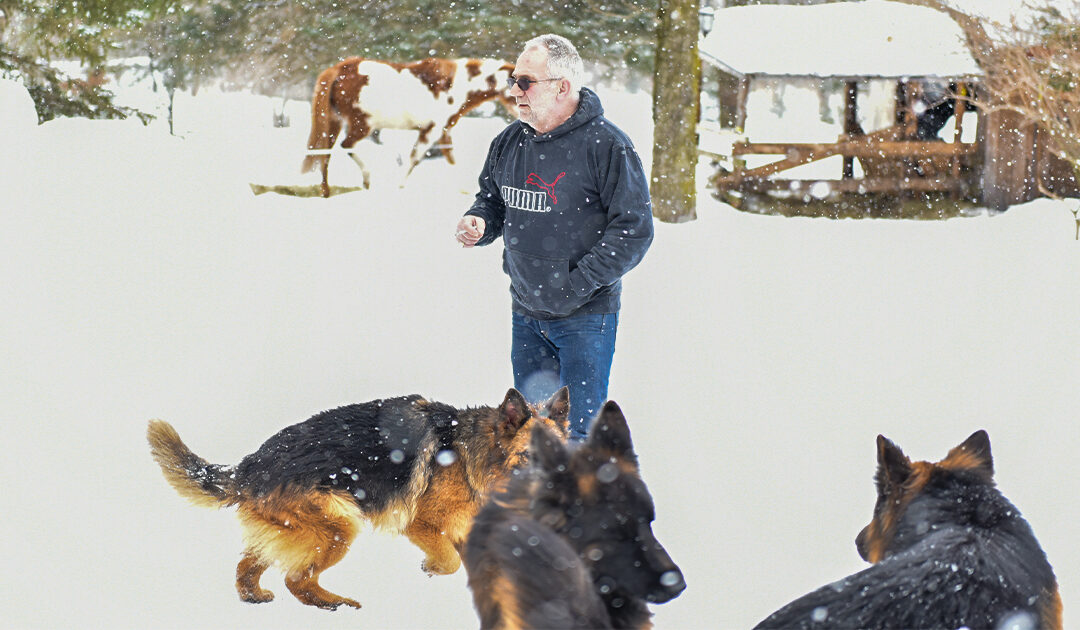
35, 35
1033, 70
277, 47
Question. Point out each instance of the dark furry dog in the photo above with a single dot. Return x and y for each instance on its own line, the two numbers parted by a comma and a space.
949, 551
404, 464
569, 544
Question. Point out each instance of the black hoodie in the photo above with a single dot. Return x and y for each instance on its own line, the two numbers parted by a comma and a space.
573, 208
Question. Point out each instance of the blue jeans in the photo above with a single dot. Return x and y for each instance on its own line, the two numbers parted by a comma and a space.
575, 351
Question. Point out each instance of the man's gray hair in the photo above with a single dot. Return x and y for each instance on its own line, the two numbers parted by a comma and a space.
563, 59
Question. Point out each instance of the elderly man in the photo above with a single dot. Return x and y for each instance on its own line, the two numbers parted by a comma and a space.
566, 190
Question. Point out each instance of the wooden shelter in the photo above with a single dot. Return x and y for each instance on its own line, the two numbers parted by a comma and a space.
852, 44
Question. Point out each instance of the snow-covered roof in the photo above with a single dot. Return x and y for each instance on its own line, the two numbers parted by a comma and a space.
868, 38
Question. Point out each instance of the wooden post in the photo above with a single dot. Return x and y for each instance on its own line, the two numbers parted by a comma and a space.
740, 113
961, 107
901, 103
958, 114
1009, 148
911, 122
738, 164
851, 124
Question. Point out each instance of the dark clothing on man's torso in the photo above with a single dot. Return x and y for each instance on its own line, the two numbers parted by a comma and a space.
573, 209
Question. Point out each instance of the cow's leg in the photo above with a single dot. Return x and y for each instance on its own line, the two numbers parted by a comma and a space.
423, 143
447, 146
358, 130
332, 131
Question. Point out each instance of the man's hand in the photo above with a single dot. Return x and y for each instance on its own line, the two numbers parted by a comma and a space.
469, 230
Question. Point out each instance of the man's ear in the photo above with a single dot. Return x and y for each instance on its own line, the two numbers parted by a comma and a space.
565, 88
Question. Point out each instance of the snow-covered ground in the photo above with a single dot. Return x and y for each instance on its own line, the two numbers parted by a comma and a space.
758, 358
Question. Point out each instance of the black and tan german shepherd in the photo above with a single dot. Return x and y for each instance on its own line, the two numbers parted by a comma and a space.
569, 543
403, 464
949, 551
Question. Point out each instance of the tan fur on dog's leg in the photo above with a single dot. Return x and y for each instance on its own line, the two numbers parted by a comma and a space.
336, 537
248, 573
442, 558
306, 589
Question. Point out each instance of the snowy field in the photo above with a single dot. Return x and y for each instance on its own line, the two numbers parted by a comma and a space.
758, 359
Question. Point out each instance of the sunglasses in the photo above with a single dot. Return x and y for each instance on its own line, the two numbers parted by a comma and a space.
524, 83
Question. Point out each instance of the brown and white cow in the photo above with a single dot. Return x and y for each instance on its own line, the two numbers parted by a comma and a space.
428, 95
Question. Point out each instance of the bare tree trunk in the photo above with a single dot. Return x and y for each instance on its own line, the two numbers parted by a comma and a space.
676, 109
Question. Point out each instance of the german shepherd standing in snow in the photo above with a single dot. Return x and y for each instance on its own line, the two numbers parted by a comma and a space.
404, 464
569, 543
949, 551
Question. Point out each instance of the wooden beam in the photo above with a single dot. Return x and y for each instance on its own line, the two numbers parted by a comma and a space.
856, 148
797, 158
867, 185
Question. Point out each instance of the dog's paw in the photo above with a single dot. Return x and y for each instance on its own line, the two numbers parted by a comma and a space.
426, 568
258, 597
344, 601
434, 567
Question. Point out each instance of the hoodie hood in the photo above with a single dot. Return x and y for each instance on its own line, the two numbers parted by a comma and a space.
589, 107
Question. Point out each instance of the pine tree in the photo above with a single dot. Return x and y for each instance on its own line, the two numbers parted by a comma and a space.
35, 35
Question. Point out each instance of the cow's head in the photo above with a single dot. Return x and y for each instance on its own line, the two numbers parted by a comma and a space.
486, 79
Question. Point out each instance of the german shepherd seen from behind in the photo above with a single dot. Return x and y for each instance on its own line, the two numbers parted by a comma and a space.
404, 464
949, 551
569, 543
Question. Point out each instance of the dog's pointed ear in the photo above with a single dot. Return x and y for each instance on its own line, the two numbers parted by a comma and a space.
513, 412
972, 454
546, 450
893, 466
559, 409
611, 433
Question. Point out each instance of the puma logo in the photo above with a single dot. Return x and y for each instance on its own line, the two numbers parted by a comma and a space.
536, 180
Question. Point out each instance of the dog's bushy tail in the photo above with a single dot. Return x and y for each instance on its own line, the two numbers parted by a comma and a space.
197, 480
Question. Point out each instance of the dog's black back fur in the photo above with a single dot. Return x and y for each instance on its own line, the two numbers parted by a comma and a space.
950, 550
368, 449
569, 544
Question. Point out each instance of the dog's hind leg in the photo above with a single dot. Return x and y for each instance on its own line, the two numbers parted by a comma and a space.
305, 587
323, 540
304, 533
248, 573
332, 541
